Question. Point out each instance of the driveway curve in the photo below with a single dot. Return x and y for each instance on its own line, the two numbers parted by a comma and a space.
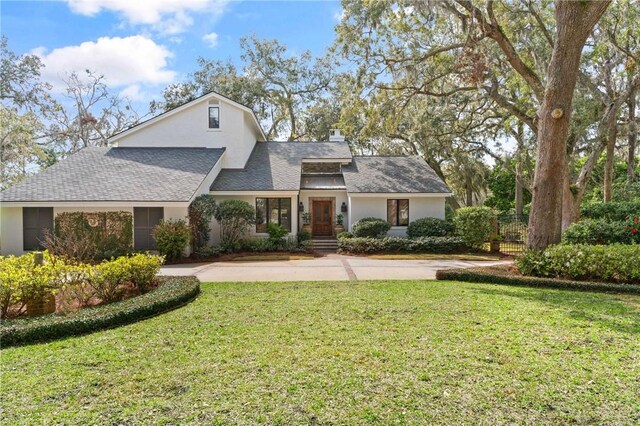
333, 267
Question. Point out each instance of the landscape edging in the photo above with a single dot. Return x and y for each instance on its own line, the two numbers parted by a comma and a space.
171, 294
480, 275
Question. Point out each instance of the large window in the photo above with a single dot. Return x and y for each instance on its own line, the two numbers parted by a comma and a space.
398, 212
35, 222
144, 220
273, 210
214, 117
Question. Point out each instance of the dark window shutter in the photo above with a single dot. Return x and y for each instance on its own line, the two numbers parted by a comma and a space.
35, 222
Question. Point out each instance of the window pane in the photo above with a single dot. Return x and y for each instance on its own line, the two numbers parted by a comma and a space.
273, 211
403, 212
261, 215
156, 214
30, 217
392, 212
214, 117
285, 213
140, 216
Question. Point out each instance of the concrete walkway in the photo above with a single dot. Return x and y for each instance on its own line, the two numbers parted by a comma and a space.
332, 267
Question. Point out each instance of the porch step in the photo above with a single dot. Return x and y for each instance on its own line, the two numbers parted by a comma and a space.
327, 245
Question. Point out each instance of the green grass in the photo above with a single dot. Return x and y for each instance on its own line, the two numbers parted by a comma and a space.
344, 353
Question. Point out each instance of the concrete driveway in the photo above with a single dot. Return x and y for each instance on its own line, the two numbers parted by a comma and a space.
332, 267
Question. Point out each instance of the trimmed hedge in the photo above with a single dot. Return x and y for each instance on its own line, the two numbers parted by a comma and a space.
597, 231
397, 244
611, 211
612, 263
371, 227
474, 224
172, 293
430, 227
496, 275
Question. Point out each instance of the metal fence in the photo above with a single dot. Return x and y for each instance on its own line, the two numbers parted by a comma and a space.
512, 233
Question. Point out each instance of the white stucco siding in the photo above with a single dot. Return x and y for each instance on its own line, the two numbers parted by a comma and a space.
189, 127
376, 206
11, 239
11, 230
214, 236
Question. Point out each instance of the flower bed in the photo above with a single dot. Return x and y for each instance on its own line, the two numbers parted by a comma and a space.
172, 293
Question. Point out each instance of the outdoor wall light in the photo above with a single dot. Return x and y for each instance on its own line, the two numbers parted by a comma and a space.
301, 207
343, 207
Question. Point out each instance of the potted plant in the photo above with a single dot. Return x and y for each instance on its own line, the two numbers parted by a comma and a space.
306, 222
339, 223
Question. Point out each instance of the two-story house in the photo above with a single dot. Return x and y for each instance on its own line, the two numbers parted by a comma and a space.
215, 145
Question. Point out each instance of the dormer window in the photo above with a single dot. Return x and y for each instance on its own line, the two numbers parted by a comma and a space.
214, 117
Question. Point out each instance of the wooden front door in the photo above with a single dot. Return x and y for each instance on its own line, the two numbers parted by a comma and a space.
322, 218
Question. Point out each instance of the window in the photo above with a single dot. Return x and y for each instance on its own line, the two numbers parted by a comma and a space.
214, 117
398, 212
35, 222
273, 210
144, 220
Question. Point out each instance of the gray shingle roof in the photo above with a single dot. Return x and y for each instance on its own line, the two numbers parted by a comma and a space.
392, 174
119, 174
275, 166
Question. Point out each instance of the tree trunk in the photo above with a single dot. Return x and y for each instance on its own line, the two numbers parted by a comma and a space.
519, 183
574, 21
469, 191
612, 134
571, 200
633, 137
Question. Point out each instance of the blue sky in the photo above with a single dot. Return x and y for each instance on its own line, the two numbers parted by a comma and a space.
143, 45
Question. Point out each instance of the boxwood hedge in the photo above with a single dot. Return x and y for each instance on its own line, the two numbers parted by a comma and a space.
172, 293
397, 244
497, 275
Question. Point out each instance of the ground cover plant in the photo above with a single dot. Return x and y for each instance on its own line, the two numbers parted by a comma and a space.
406, 352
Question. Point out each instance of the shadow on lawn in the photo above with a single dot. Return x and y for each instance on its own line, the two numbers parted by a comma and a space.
597, 309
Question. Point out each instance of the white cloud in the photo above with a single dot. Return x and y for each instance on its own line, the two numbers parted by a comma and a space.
122, 61
166, 16
210, 40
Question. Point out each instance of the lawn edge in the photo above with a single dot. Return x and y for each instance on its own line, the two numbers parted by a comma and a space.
175, 292
485, 276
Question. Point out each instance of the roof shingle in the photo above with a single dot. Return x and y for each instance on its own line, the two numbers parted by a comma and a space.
276, 166
392, 174
119, 174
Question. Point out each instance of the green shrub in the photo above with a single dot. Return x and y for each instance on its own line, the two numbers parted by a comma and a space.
304, 236
474, 224
397, 244
22, 279
371, 227
597, 231
143, 269
276, 234
430, 227
172, 293
201, 211
610, 263
172, 237
617, 211
234, 217
632, 228
344, 234
87, 236
107, 278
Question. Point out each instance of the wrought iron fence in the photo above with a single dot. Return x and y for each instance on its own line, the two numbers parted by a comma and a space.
512, 233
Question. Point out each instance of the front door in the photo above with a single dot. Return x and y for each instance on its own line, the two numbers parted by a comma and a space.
322, 218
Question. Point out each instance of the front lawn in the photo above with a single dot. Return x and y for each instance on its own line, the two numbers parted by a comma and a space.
344, 353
